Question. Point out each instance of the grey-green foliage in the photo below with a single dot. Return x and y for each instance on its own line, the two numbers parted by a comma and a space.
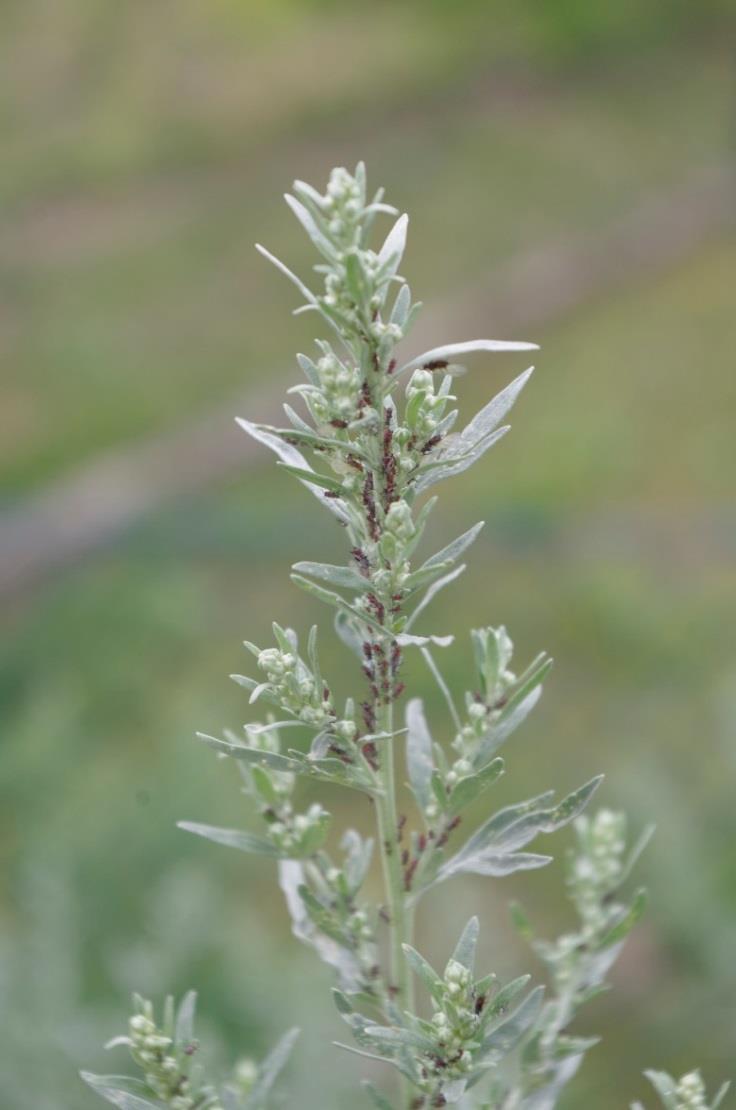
686, 1093
165, 1054
372, 436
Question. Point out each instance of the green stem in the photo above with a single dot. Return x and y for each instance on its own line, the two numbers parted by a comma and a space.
391, 860
399, 916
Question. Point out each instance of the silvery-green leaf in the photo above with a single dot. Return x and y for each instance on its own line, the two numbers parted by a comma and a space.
521, 922
509, 1032
298, 423
271, 726
402, 1062
269, 1070
184, 1028
465, 948
617, 932
448, 351
392, 251
312, 478
547, 1097
433, 590
344, 577
636, 852
358, 852
378, 1100
331, 598
310, 370
509, 815
425, 972
118, 1042
449, 467
547, 820
500, 730
355, 279
442, 685
308, 194
306, 293
496, 865
722, 1092
308, 222
420, 524
292, 457
404, 639
419, 753
399, 1038
348, 633
121, 1091
501, 1002
273, 760
513, 828
256, 689
455, 549
402, 304
468, 789
453, 1090
345, 963
488, 419
232, 838
664, 1085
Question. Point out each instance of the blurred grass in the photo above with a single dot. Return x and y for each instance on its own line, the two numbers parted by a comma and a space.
156, 142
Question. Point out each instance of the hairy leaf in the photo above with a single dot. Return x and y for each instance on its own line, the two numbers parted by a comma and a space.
419, 752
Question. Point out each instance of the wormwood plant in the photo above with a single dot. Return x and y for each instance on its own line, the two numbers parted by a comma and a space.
380, 434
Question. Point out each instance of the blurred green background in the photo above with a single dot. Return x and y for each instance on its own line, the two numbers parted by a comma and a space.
567, 170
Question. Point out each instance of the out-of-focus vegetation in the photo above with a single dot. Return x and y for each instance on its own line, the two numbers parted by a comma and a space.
145, 147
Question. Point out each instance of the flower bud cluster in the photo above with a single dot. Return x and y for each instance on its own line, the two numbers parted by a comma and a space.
596, 868
330, 898
355, 278
690, 1093
398, 530
163, 1063
336, 399
417, 435
455, 1025
297, 834
293, 685
424, 406
244, 1076
344, 206
493, 651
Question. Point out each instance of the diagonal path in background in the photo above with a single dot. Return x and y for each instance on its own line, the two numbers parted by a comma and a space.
92, 506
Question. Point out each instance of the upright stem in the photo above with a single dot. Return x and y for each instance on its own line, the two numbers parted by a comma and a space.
391, 859
399, 918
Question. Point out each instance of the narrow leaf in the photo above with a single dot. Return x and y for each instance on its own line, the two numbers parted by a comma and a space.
468, 789
392, 251
184, 1029
378, 1100
308, 222
455, 549
424, 971
232, 838
118, 1089
465, 948
419, 752
345, 577
269, 1070
488, 419
449, 350
292, 457
306, 293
